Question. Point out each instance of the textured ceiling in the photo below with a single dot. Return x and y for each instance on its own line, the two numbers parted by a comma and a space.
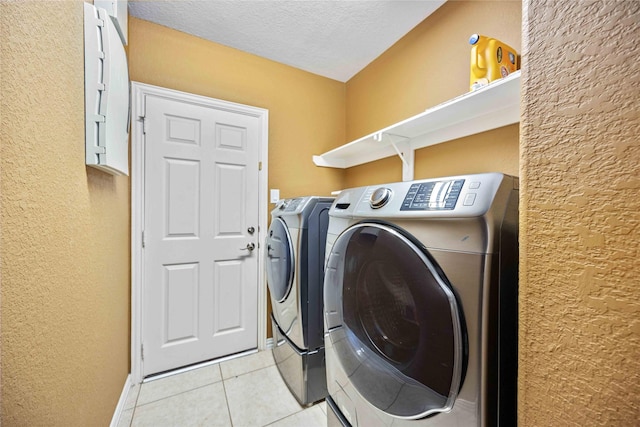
332, 38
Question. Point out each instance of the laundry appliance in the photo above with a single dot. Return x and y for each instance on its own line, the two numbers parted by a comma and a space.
421, 288
296, 243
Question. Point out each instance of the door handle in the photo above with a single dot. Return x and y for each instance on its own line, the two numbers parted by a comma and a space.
250, 247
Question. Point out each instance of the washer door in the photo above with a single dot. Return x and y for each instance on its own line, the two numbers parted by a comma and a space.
393, 321
279, 260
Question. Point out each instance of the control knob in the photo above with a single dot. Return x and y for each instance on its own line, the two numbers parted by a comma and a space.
380, 197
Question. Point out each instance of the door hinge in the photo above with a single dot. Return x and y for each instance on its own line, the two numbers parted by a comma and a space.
142, 351
143, 239
259, 166
144, 124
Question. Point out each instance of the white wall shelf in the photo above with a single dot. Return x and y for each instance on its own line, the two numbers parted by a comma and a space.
489, 107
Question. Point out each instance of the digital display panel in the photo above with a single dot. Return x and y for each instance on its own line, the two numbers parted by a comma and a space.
432, 196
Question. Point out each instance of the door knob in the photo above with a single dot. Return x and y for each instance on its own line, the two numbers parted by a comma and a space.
251, 230
250, 246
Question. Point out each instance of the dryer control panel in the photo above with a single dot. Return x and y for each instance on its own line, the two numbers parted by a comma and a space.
291, 205
430, 196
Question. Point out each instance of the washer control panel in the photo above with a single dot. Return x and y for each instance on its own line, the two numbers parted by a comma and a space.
432, 196
461, 196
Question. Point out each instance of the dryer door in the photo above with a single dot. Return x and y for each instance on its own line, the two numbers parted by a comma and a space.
279, 260
393, 321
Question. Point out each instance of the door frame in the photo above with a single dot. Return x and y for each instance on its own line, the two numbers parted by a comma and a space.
138, 93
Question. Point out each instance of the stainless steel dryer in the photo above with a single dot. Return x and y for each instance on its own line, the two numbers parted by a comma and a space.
421, 303
296, 243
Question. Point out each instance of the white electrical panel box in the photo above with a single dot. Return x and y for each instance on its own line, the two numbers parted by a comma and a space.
117, 9
107, 95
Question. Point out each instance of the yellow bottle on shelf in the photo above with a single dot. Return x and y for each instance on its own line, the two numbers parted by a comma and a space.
490, 60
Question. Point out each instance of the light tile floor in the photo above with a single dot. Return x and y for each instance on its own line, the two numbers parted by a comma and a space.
243, 392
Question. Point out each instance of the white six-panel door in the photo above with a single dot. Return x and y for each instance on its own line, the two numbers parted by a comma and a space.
199, 296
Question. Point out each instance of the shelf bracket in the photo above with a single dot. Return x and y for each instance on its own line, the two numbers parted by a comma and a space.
403, 150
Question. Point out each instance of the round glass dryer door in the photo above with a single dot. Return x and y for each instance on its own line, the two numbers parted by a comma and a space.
280, 260
400, 337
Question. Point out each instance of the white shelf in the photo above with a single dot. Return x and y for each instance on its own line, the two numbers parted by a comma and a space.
489, 107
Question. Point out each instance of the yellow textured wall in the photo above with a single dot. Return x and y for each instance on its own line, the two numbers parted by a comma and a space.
580, 214
428, 66
306, 111
64, 232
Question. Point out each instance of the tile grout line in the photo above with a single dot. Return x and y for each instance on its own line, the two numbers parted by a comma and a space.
133, 414
222, 379
226, 396
179, 393
291, 415
226, 399
196, 366
138, 387
283, 418
245, 373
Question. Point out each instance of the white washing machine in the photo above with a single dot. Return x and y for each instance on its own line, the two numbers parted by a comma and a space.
421, 290
296, 243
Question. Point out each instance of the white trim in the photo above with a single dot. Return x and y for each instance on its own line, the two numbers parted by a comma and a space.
121, 402
139, 92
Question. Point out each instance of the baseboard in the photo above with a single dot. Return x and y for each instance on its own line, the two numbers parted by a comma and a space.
269, 343
122, 402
